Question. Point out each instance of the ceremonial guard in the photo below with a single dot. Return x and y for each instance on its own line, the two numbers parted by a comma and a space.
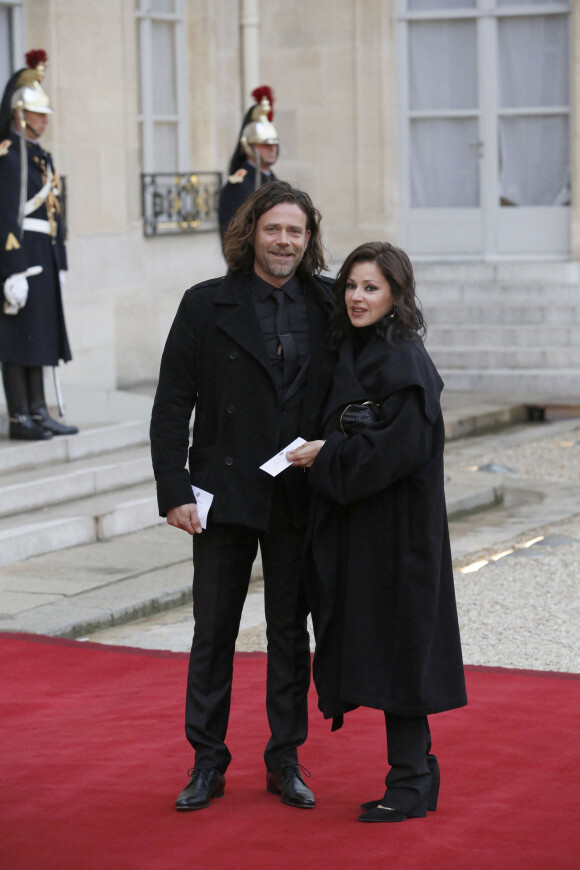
255, 154
32, 257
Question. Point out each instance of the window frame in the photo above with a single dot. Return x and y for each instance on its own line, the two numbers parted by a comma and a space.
16, 35
146, 117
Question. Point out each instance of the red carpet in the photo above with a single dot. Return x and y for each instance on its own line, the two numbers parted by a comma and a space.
93, 756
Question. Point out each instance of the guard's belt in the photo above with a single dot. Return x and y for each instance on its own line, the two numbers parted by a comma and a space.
36, 225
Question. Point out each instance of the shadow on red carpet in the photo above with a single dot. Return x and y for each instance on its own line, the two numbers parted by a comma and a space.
93, 756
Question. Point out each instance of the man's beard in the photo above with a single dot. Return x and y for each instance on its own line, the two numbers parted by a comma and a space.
281, 270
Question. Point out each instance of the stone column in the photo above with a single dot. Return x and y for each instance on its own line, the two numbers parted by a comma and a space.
250, 33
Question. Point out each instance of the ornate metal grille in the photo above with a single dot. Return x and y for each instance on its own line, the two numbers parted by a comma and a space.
176, 204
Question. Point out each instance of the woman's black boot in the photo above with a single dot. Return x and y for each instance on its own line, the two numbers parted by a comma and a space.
414, 778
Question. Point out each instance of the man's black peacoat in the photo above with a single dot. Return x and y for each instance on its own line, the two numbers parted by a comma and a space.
215, 360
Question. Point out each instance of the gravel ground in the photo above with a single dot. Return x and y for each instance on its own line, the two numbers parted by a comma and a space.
522, 611
549, 458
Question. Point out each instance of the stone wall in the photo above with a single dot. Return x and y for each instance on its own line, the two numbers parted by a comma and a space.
332, 64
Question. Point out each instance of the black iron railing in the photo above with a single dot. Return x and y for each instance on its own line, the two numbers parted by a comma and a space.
177, 204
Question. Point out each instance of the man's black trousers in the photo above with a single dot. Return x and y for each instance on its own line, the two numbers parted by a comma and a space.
223, 556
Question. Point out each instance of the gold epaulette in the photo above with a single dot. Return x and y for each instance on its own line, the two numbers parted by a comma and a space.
238, 176
12, 243
4, 146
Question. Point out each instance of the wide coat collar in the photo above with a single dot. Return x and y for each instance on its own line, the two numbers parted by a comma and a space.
236, 316
381, 369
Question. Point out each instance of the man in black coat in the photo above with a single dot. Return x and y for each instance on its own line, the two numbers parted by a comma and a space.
32, 256
252, 161
256, 383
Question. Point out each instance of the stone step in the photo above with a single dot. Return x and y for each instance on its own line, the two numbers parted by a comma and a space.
466, 493
432, 293
90, 441
29, 489
501, 335
512, 272
532, 384
80, 522
135, 508
466, 416
481, 357
470, 314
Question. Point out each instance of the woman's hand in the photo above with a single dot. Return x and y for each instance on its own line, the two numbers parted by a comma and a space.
304, 455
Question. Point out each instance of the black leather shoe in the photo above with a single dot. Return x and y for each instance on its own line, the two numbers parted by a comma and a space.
43, 419
288, 783
204, 785
23, 428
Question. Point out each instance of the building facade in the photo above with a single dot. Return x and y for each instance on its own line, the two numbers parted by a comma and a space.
447, 126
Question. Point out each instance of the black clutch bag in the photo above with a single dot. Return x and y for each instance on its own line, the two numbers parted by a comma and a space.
357, 416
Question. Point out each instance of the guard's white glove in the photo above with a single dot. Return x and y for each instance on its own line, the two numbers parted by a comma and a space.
16, 290
62, 276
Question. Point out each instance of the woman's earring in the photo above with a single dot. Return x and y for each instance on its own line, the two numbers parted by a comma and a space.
393, 312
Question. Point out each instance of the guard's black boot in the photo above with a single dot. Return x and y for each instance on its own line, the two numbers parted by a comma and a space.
37, 404
21, 426
42, 418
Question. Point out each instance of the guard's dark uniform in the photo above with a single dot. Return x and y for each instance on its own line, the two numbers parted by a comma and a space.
236, 190
36, 336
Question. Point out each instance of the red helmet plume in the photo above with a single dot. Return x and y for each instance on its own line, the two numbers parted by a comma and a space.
35, 56
265, 91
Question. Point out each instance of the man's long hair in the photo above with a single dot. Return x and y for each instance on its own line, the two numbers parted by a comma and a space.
240, 234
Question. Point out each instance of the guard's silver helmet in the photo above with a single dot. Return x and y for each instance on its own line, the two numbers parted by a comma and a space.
29, 95
260, 130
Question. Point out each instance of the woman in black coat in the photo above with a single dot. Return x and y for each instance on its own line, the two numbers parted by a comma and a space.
378, 561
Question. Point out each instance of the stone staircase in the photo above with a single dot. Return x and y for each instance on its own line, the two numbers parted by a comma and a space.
88, 488
512, 328
75, 490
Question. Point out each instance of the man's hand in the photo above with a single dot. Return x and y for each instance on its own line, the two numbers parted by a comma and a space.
185, 517
304, 455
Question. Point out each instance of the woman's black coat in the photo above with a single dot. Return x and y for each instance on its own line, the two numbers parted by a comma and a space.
378, 561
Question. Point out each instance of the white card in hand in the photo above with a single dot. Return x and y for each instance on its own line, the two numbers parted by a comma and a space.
203, 503
279, 462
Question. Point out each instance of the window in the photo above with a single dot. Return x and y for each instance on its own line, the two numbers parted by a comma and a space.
485, 95
11, 40
163, 99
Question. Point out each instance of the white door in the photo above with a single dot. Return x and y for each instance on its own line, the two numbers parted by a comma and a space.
485, 127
